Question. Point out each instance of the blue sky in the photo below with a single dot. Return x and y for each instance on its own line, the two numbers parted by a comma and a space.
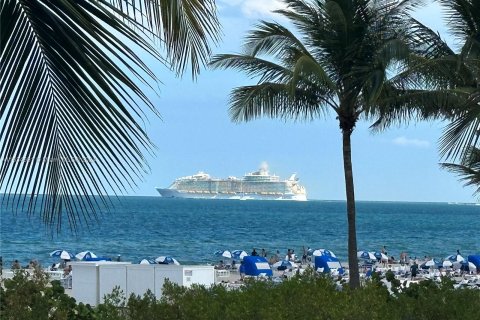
196, 134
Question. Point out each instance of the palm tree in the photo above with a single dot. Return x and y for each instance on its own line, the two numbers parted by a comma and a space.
463, 19
339, 63
468, 169
72, 105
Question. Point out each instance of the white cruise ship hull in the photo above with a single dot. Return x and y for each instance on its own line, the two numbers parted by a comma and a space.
172, 193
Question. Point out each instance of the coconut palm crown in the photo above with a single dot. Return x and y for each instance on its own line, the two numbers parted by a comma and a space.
72, 106
338, 60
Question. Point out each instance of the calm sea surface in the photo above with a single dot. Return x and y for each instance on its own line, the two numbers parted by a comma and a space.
191, 230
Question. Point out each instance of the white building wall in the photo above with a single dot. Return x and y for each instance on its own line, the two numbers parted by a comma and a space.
85, 283
93, 280
111, 276
140, 278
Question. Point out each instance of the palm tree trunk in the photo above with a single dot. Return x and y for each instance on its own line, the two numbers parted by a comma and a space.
349, 188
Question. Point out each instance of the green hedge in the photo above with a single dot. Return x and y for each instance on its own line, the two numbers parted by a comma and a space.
307, 297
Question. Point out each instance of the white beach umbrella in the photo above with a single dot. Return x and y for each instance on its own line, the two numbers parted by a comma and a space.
147, 261
284, 264
381, 256
223, 253
323, 252
366, 255
471, 266
455, 258
239, 254
432, 263
62, 254
167, 260
447, 263
84, 255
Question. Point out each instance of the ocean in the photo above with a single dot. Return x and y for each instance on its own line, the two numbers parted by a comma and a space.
192, 230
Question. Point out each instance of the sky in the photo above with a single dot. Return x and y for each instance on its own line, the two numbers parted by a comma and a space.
195, 134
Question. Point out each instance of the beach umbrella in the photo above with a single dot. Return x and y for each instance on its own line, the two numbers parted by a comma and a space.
239, 254
323, 252
167, 260
284, 264
223, 253
84, 255
147, 261
62, 254
381, 256
447, 263
455, 258
471, 266
465, 266
432, 263
366, 255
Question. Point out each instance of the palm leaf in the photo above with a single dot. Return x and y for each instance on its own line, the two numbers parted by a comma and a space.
468, 169
70, 108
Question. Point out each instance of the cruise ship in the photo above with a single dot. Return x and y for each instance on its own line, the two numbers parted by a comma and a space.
258, 185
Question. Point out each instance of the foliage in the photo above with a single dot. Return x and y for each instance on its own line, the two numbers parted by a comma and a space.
30, 296
309, 296
72, 104
468, 169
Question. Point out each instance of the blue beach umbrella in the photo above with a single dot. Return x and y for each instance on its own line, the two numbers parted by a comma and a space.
167, 260
62, 254
239, 254
455, 258
366, 255
323, 252
223, 253
85, 255
381, 256
147, 261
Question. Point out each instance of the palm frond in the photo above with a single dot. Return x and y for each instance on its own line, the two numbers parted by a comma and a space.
468, 169
271, 39
252, 66
463, 17
185, 28
274, 100
70, 105
464, 129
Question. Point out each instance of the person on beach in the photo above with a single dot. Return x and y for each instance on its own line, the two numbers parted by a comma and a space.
16, 265
414, 270
67, 270
304, 256
384, 250
241, 270
277, 256
254, 252
264, 253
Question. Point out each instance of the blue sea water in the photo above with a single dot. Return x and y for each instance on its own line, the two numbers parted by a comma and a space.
191, 230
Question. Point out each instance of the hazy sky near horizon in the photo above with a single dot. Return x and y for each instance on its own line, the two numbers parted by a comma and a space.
196, 134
